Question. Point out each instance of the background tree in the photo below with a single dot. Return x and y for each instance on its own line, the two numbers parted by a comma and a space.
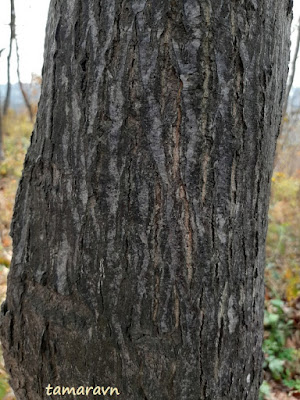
293, 70
1, 131
1, 135
140, 220
286, 142
13, 38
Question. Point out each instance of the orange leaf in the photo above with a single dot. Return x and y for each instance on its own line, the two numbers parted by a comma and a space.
6, 241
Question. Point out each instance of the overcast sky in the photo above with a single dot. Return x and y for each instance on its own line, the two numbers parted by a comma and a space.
31, 23
31, 17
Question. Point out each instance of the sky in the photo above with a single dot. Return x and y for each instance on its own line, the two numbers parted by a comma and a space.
31, 17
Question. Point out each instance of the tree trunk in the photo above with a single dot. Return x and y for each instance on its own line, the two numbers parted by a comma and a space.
140, 220
8, 92
293, 71
1, 134
23, 91
1, 128
12, 37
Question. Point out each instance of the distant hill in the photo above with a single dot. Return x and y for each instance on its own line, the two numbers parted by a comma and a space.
16, 99
294, 99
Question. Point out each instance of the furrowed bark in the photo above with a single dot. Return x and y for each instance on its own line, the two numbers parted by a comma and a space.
141, 216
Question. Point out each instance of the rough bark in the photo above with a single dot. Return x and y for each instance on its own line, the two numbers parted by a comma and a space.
141, 216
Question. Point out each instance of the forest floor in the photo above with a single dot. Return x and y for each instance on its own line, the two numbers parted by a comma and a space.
282, 276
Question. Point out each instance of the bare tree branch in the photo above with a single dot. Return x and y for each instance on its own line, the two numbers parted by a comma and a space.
8, 89
12, 37
293, 71
1, 135
24, 94
1, 130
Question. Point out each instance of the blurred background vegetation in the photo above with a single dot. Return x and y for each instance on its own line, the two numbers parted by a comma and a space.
282, 274
16, 128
